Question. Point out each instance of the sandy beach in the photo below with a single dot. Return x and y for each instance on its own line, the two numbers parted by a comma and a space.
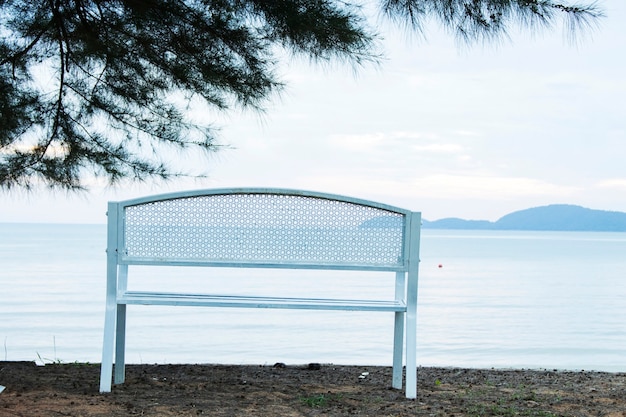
305, 390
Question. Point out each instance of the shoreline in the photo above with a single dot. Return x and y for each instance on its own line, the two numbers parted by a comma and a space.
290, 390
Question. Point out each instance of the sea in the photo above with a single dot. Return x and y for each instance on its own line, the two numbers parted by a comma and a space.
487, 299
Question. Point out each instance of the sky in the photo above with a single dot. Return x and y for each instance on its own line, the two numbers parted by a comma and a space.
447, 129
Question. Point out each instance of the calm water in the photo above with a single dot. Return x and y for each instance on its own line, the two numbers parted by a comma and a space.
499, 299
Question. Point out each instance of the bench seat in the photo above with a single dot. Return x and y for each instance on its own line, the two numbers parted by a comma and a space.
209, 300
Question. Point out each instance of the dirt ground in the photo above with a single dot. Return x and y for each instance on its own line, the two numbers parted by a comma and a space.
308, 390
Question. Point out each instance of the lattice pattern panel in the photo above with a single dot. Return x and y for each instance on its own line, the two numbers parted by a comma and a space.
274, 228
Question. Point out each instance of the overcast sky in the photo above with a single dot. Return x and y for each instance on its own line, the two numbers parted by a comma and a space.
452, 131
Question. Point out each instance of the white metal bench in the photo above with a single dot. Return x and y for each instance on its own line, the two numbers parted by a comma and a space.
262, 228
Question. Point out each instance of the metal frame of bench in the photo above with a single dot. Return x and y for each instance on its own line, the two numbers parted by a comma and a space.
262, 228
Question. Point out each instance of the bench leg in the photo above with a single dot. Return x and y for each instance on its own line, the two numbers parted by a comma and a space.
398, 345
120, 345
411, 353
110, 318
411, 339
411, 306
398, 332
120, 329
106, 368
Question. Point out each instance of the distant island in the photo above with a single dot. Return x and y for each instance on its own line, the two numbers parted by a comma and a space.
555, 217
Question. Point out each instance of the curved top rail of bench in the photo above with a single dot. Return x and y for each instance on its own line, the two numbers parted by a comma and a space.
254, 190
261, 227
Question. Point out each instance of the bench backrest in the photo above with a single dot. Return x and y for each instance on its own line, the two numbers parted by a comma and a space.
252, 227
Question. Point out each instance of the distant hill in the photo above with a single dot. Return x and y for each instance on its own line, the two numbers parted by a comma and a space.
556, 217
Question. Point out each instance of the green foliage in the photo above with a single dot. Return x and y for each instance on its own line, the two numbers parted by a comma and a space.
95, 87
89, 85
315, 401
520, 401
499, 409
524, 393
325, 400
471, 20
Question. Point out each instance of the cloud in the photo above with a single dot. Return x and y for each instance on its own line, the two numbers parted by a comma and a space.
423, 142
489, 187
443, 187
53, 150
617, 183
445, 148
